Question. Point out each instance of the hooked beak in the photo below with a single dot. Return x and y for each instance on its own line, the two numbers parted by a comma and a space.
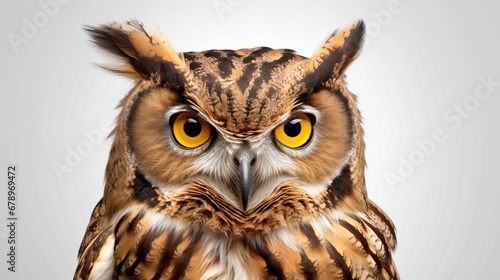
245, 159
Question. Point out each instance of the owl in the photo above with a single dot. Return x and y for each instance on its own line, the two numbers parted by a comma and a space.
235, 164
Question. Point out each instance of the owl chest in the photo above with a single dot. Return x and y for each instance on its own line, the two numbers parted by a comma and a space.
262, 257
283, 254
150, 246
156, 253
287, 254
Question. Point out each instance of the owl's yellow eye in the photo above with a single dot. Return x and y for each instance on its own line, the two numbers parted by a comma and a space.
191, 131
295, 132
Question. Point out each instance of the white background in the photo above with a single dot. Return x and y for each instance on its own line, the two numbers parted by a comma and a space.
423, 59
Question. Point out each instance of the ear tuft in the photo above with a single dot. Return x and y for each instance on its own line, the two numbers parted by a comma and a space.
145, 53
331, 59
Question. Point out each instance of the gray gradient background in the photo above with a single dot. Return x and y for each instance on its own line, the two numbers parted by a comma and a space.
415, 67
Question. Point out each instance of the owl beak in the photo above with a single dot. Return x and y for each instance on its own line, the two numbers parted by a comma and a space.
245, 159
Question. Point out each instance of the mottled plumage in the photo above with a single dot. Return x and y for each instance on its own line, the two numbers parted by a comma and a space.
234, 194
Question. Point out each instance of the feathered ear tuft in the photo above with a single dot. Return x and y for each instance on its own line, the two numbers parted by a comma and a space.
332, 58
146, 54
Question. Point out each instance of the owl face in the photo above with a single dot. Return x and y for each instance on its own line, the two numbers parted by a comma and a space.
176, 144
242, 123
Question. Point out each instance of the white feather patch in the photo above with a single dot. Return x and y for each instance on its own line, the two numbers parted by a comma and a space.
233, 258
104, 265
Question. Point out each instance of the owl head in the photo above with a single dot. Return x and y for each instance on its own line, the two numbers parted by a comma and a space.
235, 139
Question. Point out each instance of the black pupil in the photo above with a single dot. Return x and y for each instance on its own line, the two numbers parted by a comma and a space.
293, 128
192, 127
